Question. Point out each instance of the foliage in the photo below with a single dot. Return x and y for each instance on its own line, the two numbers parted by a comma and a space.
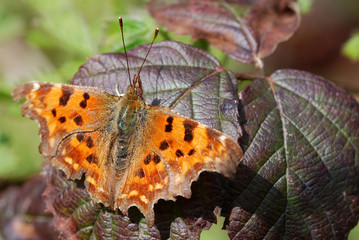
351, 47
299, 175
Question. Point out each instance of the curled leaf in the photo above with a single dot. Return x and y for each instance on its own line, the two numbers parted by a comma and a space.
245, 37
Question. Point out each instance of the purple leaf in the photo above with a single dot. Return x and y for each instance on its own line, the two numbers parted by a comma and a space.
22, 212
299, 177
77, 216
246, 38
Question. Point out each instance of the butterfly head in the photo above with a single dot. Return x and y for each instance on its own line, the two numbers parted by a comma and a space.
134, 90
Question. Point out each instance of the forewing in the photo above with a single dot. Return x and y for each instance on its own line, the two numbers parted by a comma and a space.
77, 129
63, 109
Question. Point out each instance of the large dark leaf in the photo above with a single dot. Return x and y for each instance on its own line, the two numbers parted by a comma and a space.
246, 38
299, 177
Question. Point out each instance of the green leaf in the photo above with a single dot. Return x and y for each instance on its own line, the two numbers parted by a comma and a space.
18, 159
351, 47
354, 234
64, 26
10, 24
216, 231
305, 5
136, 32
8, 160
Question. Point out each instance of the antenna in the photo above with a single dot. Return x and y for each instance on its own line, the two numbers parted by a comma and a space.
144, 60
124, 47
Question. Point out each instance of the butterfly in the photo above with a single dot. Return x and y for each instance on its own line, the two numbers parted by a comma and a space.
132, 153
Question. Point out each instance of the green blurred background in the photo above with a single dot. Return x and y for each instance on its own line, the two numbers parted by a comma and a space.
49, 40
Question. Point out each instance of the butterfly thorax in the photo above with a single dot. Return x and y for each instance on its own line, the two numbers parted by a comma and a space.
130, 105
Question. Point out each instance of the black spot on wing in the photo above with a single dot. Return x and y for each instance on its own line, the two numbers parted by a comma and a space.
80, 137
78, 120
66, 94
156, 159
169, 126
188, 130
62, 119
179, 153
90, 143
147, 159
91, 158
83, 104
53, 111
170, 120
191, 152
140, 173
164, 145
86, 96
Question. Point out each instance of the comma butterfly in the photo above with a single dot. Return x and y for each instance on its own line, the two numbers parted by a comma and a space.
132, 153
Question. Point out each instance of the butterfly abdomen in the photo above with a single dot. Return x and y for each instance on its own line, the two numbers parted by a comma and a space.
122, 152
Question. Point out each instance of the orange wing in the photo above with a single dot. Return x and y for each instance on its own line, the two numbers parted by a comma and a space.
170, 152
75, 129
